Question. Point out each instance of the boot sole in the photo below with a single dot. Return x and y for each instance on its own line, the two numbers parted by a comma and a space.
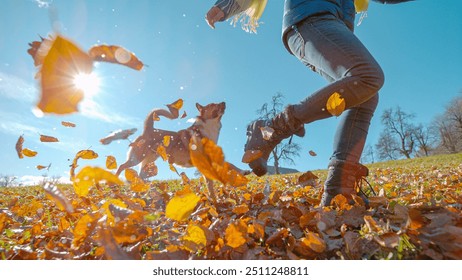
258, 167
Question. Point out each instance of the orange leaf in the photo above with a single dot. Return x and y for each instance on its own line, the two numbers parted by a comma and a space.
61, 64
312, 153
208, 158
45, 138
181, 206
19, 144
29, 153
251, 155
235, 234
336, 104
131, 175
82, 229
111, 162
314, 242
241, 209
118, 135
115, 54
166, 140
41, 167
90, 176
68, 124
86, 154
57, 196
177, 105
162, 152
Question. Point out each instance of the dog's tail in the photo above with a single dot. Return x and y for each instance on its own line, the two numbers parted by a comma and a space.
172, 114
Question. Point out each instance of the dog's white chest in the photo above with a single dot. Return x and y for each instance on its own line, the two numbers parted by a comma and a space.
211, 129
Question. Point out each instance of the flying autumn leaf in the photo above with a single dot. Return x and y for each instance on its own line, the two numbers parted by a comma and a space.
136, 183
111, 162
57, 196
115, 54
19, 144
195, 238
41, 167
209, 159
312, 153
68, 124
61, 64
46, 138
118, 135
181, 205
86, 154
184, 115
335, 104
29, 153
82, 229
90, 176
177, 105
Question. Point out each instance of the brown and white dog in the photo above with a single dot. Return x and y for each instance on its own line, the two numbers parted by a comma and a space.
144, 149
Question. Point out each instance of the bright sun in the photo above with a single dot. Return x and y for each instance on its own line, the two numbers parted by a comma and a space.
88, 83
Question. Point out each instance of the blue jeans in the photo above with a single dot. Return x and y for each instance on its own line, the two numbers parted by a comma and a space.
328, 47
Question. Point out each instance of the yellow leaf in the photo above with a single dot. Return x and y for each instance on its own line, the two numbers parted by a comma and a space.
105, 207
82, 229
241, 209
361, 5
90, 176
86, 154
166, 140
235, 234
195, 235
111, 162
176, 105
181, 206
336, 104
29, 153
131, 175
62, 63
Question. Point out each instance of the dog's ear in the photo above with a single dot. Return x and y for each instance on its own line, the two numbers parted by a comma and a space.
199, 107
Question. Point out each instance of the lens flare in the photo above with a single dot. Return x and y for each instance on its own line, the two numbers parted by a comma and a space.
88, 83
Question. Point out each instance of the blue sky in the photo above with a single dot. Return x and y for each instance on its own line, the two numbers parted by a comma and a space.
418, 45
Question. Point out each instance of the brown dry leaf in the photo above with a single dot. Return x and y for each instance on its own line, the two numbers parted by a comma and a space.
181, 205
115, 54
372, 225
41, 167
111, 162
236, 233
29, 153
61, 64
312, 153
46, 138
112, 250
388, 240
209, 159
251, 155
335, 104
118, 135
3, 221
90, 176
68, 124
57, 196
19, 144
184, 115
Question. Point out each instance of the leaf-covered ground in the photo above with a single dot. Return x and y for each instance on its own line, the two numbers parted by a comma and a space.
416, 215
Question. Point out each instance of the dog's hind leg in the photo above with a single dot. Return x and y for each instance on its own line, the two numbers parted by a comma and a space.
148, 167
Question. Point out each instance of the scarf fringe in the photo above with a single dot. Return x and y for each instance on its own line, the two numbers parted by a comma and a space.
249, 19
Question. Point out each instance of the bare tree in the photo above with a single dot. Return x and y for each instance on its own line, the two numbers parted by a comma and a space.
7, 180
449, 127
287, 150
399, 132
425, 140
368, 155
387, 147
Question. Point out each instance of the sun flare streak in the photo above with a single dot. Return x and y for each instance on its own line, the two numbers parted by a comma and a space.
89, 83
